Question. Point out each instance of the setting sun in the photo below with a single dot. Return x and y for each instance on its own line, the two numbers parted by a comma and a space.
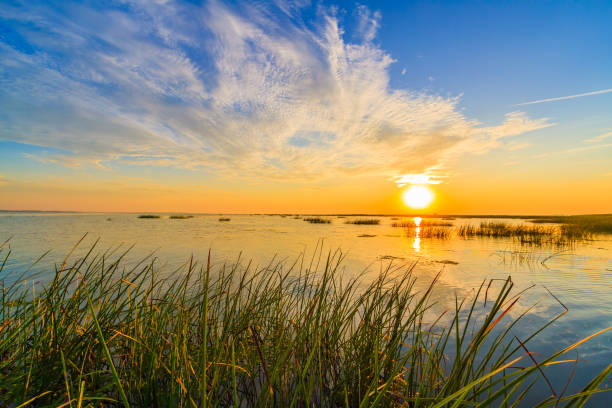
417, 197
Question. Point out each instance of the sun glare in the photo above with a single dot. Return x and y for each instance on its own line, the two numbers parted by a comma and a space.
417, 197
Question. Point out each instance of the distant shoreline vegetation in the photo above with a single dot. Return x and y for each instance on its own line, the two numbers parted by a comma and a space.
101, 333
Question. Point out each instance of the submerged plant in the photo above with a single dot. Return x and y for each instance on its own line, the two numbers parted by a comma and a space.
101, 333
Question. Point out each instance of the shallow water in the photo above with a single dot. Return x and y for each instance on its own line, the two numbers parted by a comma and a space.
580, 277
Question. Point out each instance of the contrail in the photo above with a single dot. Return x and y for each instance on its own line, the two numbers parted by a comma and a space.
561, 98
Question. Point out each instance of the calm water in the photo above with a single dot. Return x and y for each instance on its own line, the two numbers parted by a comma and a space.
581, 277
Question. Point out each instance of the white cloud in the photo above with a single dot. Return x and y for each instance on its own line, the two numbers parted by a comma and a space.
563, 98
518, 145
575, 150
368, 23
599, 138
206, 87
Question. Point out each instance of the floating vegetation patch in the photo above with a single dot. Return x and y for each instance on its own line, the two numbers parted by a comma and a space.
390, 257
180, 217
317, 220
364, 221
447, 262
366, 236
148, 216
224, 219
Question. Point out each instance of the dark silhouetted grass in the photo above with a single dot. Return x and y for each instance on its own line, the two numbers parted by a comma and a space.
224, 219
149, 216
317, 220
538, 235
364, 221
411, 224
435, 232
596, 224
100, 333
180, 217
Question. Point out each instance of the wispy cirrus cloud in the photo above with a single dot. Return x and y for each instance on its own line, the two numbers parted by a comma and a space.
599, 138
255, 91
563, 98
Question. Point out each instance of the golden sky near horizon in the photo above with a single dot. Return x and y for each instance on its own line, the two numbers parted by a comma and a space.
241, 108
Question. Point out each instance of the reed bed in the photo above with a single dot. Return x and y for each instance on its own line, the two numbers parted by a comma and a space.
594, 224
435, 232
538, 235
101, 334
411, 224
317, 220
364, 221
180, 217
224, 219
150, 216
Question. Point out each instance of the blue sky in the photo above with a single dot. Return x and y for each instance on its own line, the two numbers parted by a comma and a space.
302, 93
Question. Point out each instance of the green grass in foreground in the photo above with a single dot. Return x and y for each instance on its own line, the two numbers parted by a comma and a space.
284, 335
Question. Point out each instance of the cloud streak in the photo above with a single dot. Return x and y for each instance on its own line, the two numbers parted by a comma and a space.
260, 92
563, 98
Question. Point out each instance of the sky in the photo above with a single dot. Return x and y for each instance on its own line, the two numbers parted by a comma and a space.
306, 107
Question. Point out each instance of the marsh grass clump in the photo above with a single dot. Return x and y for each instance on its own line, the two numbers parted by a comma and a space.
317, 220
148, 216
593, 224
100, 333
435, 232
411, 224
537, 235
224, 219
180, 217
363, 221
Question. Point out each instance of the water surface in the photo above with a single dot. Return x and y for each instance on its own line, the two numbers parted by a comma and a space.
580, 276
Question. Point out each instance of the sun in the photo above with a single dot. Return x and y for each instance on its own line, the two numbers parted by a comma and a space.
417, 197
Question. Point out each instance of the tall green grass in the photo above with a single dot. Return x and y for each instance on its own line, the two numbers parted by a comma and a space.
287, 335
